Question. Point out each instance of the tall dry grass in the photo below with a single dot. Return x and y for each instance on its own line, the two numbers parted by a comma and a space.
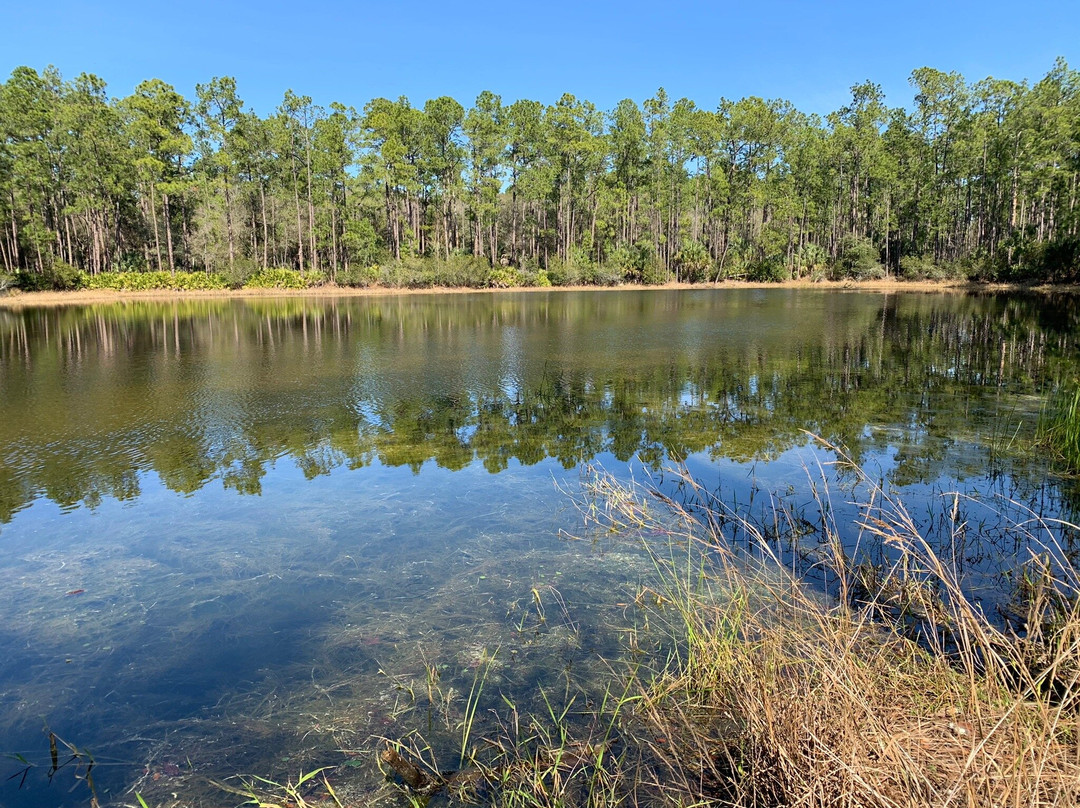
779, 696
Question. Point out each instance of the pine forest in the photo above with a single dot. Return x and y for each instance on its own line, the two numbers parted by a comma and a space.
975, 180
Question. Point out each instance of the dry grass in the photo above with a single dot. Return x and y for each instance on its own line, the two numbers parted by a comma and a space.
780, 697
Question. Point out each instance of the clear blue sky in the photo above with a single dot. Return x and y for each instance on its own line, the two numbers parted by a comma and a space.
809, 53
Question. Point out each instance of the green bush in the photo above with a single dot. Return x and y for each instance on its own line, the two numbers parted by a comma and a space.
278, 278
398, 274
564, 274
505, 277
623, 258
1056, 261
580, 270
810, 259
601, 275
693, 262
472, 271
767, 270
362, 242
859, 259
469, 271
146, 281
655, 273
531, 275
132, 262
59, 276
637, 262
236, 274
916, 267
361, 276
198, 281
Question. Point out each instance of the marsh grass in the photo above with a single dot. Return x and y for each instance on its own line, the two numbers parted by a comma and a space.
1059, 426
901, 691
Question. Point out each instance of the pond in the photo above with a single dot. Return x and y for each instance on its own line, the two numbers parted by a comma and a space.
243, 535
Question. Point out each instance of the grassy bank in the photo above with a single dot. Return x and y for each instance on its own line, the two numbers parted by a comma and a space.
900, 692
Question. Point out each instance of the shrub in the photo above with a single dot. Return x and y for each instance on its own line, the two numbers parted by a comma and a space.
472, 271
655, 274
146, 281
637, 263
403, 274
362, 277
916, 267
1061, 259
362, 242
532, 276
420, 273
277, 278
601, 275
767, 270
505, 277
201, 281
693, 262
1055, 261
859, 259
810, 259
132, 262
59, 276
564, 274
236, 275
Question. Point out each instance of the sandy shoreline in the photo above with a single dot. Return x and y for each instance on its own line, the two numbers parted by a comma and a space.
16, 299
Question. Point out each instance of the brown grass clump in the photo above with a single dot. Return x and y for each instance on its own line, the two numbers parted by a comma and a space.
780, 697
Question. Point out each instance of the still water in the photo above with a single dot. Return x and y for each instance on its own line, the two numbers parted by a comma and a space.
242, 535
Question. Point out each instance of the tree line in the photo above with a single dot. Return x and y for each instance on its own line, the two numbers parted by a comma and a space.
977, 180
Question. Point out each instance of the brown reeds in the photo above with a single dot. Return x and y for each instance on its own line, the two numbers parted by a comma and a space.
900, 692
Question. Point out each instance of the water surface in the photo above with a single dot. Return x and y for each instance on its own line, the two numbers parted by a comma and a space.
239, 535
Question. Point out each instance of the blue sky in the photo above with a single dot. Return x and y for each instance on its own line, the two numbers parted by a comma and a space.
809, 53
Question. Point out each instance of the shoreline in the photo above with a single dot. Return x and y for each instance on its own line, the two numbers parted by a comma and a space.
18, 299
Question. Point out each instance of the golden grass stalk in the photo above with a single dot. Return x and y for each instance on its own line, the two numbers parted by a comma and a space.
779, 696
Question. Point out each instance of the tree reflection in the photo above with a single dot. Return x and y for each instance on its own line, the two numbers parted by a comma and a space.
92, 397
